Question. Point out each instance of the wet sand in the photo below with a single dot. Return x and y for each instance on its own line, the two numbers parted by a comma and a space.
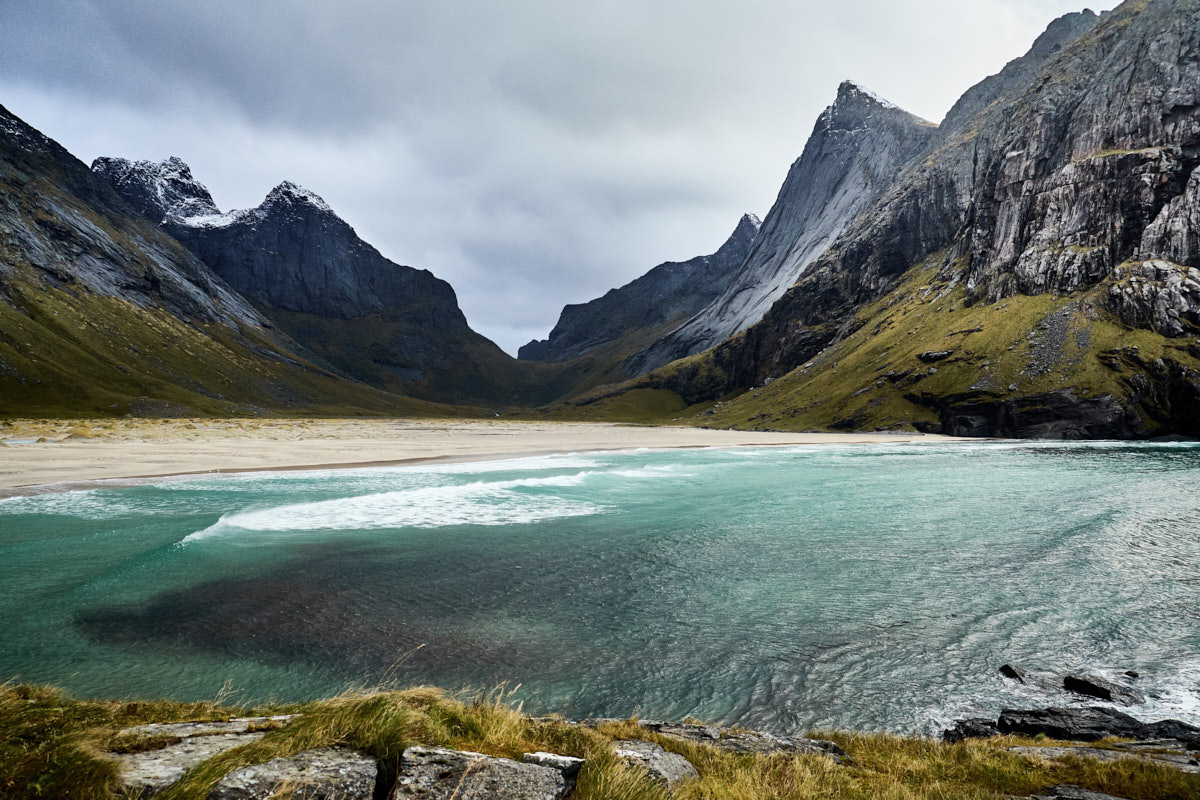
73, 453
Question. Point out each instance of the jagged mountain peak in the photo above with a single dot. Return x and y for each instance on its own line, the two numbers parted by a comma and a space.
291, 193
854, 105
158, 189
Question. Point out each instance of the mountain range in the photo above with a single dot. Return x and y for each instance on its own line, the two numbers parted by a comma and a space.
1028, 267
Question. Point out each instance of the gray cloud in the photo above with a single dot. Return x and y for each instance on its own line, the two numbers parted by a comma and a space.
531, 152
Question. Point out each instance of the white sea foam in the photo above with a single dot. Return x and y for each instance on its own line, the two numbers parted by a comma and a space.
478, 503
83, 504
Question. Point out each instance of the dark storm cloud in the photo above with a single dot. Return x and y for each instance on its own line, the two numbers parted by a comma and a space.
531, 152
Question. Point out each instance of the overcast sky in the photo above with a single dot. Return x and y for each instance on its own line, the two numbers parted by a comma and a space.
531, 152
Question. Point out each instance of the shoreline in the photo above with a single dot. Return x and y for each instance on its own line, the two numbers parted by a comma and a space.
75, 455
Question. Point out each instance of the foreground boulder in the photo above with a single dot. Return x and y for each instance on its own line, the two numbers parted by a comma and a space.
158, 755
434, 773
328, 773
666, 768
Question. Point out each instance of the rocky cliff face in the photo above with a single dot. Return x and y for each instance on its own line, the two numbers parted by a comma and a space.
669, 292
102, 312
856, 149
391, 326
1049, 227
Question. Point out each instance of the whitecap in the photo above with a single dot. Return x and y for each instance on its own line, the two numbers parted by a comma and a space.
478, 503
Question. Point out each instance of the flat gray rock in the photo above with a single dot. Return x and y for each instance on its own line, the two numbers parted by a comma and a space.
432, 773
738, 741
186, 729
327, 773
569, 766
1071, 792
184, 745
1181, 761
151, 771
669, 769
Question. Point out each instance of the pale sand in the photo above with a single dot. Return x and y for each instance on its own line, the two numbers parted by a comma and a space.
131, 449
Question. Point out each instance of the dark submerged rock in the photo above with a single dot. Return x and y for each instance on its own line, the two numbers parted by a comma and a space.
1106, 690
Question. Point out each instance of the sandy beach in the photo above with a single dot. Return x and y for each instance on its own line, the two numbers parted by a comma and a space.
39, 455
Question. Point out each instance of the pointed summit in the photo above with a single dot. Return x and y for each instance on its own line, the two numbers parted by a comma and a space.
292, 193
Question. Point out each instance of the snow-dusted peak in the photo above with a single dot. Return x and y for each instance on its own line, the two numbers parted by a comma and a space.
853, 91
159, 189
751, 219
288, 192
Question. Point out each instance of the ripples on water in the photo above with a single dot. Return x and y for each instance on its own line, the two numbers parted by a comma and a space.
871, 587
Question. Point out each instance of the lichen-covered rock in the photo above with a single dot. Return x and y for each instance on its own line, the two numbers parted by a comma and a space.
744, 741
669, 769
324, 774
1178, 759
1072, 792
432, 773
163, 752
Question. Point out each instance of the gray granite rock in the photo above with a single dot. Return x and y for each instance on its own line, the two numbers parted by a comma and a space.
431, 773
569, 766
669, 769
184, 745
1180, 759
743, 741
327, 773
1071, 792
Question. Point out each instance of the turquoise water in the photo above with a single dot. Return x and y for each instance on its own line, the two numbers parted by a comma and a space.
869, 587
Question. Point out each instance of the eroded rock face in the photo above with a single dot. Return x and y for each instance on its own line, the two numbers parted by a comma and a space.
668, 769
327, 773
431, 773
1158, 295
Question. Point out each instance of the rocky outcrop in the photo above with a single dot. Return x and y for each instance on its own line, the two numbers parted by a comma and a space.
746, 741
665, 768
1161, 754
152, 757
158, 190
328, 773
1157, 295
432, 773
1087, 724
1094, 686
1072, 792
669, 292
858, 146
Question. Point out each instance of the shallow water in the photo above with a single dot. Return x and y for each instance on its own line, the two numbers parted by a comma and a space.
869, 587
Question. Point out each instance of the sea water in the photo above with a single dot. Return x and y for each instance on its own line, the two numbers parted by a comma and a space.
869, 587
